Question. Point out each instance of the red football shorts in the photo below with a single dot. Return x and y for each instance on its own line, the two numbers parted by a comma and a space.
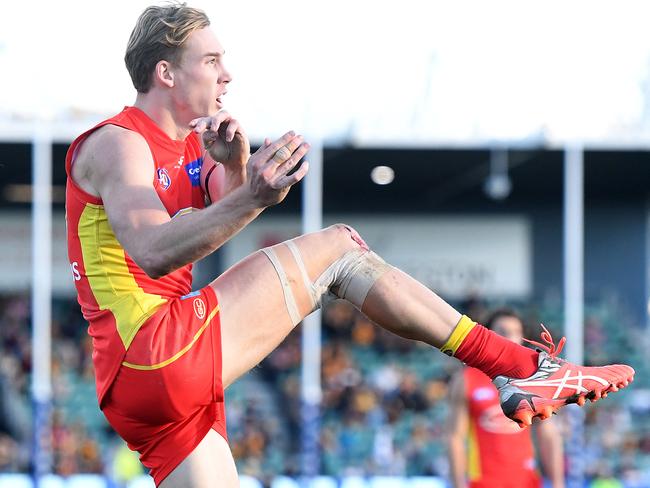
168, 392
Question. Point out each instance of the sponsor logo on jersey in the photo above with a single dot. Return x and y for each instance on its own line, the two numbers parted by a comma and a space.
193, 170
164, 179
199, 307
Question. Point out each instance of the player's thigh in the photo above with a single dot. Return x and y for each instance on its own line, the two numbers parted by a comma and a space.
253, 311
210, 464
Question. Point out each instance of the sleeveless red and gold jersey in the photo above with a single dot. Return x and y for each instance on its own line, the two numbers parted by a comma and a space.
115, 294
500, 454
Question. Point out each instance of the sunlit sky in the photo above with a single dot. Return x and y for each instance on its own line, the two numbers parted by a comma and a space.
363, 71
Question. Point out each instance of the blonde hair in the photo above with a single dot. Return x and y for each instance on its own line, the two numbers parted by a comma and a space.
160, 33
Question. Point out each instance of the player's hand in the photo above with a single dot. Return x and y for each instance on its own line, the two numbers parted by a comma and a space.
224, 139
267, 169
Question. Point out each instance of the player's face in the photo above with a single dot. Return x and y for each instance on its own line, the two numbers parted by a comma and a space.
200, 79
511, 328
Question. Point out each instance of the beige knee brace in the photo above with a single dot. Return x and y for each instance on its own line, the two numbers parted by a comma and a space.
350, 277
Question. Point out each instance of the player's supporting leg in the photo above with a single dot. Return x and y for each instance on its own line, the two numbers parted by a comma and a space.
210, 464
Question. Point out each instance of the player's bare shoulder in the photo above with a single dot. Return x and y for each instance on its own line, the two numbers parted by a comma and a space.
109, 154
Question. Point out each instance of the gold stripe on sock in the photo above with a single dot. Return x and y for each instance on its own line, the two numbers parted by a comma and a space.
463, 327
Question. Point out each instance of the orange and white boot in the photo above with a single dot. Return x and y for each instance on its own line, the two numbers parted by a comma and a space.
557, 383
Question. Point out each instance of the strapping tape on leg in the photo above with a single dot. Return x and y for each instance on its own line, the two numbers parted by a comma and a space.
289, 299
303, 271
351, 276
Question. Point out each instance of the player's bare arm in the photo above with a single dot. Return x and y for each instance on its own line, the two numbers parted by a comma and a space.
116, 165
458, 427
551, 452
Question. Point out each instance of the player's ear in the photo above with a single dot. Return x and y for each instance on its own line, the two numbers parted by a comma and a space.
164, 73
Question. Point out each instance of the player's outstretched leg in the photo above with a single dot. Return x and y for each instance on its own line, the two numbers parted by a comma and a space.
337, 262
264, 296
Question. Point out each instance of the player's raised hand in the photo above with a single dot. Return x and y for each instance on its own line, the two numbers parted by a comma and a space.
268, 169
223, 138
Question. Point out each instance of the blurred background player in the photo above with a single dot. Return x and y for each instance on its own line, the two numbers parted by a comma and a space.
486, 449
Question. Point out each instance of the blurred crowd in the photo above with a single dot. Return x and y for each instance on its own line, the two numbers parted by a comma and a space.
75, 449
384, 404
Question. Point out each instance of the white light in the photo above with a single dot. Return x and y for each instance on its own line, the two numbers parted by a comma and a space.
382, 175
498, 187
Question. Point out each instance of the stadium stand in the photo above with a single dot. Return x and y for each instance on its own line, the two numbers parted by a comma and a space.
384, 407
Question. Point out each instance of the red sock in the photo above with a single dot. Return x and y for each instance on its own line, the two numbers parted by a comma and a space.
496, 355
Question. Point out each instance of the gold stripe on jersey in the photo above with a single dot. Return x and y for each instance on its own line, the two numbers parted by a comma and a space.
112, 283
162, 364
473, 456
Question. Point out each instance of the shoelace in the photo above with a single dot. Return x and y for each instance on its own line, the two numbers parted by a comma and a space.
551, 348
